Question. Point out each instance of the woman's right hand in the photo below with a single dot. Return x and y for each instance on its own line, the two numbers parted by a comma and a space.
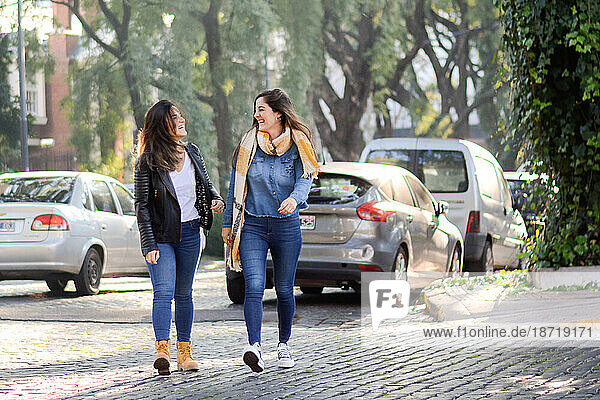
226, 235
152, 257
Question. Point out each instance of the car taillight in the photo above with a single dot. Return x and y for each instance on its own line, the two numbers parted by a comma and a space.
49, 222
473, 224
368, 267
370, 212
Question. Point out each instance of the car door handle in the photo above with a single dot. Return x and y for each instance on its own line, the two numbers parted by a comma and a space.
409, 218
104, 227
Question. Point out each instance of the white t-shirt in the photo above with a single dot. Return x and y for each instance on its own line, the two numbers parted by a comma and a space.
185, 189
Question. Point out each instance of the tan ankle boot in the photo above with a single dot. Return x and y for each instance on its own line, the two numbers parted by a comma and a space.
185, 362
163, 357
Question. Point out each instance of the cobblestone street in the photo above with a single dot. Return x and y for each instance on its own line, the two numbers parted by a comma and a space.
102, 347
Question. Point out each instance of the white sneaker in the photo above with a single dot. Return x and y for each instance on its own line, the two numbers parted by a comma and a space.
284, 357
253, 358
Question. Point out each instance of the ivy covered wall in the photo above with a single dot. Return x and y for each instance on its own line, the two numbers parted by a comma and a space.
551, 50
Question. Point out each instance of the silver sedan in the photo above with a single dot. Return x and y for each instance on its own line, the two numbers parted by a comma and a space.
61, 226
369, 218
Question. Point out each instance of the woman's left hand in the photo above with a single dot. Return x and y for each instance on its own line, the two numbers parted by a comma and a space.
287, 206
218, 206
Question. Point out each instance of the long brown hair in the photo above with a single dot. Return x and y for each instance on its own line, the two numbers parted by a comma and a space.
156, 139
279, 101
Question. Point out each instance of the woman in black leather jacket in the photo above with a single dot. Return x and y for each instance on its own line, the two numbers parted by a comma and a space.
174, 198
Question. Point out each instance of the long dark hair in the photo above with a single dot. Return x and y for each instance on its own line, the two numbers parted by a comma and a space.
279, 101
156, 139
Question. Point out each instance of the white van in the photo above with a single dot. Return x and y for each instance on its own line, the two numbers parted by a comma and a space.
470, 179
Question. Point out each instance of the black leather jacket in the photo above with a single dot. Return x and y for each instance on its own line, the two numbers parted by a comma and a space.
156, 207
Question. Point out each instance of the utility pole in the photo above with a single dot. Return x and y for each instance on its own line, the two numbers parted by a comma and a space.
23, 94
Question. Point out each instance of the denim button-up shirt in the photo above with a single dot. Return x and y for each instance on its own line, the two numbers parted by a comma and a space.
270, 180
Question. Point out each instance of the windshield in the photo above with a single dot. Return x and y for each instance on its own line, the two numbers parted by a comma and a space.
336, 189
37, 189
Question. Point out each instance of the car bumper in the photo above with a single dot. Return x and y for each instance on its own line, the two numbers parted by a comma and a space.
474, 243
333, 265
58, 255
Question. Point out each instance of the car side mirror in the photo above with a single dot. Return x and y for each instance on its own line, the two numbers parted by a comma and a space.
442, 208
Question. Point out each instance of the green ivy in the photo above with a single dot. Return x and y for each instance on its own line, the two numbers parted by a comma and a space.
552, 58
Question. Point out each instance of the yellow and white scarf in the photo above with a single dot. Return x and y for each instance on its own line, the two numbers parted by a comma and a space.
278, 146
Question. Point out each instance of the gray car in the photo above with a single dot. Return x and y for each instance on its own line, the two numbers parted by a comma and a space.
61, 226
368, 217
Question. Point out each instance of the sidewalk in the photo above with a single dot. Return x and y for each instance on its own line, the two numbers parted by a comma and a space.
507, 297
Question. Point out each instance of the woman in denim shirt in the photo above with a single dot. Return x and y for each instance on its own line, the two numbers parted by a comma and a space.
272, 173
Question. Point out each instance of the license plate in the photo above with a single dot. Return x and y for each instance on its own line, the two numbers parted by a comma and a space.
7, 226
307, 222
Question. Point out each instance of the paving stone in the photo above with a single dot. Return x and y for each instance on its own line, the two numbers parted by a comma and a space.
102, 347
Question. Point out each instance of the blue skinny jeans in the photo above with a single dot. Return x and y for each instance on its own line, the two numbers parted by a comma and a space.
282, 236
172, 278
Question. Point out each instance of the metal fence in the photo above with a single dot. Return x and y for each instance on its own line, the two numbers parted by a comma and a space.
49, 160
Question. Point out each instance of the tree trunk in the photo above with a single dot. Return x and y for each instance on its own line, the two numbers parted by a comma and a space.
385, 130
135, 97
218, 101
346, 142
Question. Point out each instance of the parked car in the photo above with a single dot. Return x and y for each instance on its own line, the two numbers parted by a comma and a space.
470, 179
61, 226
368, 217
533, 208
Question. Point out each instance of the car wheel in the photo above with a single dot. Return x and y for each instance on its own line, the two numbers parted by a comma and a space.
486, 262
401, 265
311, 290
57, 286
88, 280
455, 262
236, 289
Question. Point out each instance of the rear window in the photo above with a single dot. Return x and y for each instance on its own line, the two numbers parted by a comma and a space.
37, 189
397, 157
336, 189
442, 171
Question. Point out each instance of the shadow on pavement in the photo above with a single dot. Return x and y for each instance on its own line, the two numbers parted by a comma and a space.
67, 294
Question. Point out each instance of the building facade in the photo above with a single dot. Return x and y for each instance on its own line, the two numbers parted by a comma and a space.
49, 136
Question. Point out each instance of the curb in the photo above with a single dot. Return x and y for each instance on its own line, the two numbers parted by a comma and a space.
459, 304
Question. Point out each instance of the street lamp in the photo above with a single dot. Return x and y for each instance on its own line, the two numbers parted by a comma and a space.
23, 94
